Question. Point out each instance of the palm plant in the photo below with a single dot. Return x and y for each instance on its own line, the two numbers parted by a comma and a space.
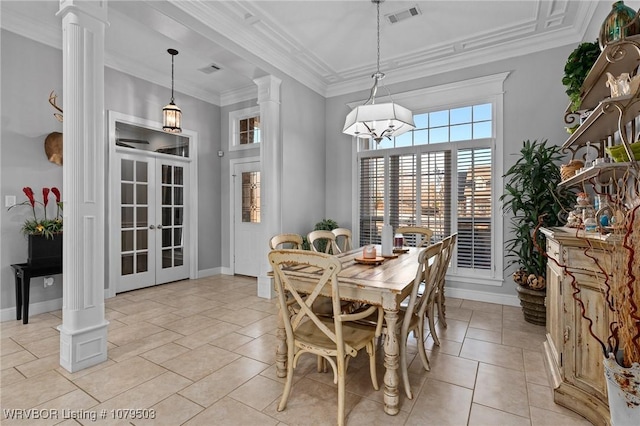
532, 191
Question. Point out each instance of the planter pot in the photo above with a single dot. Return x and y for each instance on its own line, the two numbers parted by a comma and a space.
623, 389
533, 307
44, 251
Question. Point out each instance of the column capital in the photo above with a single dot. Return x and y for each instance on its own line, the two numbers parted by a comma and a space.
268, 88
95, 9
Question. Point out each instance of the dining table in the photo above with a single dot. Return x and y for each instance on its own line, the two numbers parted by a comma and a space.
384, 282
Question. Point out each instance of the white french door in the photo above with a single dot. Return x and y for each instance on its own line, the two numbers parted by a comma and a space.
247, 226
151, 220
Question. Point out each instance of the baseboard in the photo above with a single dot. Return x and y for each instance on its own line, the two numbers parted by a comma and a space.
482, 296
211, 272
35, 308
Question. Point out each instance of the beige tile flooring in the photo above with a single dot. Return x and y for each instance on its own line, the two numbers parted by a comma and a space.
202, 352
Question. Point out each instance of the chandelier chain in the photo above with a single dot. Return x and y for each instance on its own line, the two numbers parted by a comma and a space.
172, 56
378, 8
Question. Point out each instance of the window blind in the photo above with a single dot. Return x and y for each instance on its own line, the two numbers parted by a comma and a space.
371, 199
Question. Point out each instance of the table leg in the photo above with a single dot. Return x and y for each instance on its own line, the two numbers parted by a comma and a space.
18, 295
391, 360
26, 284
281, 348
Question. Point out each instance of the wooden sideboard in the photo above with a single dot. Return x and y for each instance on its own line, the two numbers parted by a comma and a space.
573, 357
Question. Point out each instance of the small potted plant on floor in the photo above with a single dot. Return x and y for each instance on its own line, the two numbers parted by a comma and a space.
531, 192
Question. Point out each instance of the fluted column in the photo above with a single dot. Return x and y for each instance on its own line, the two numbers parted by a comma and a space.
271, 174
83, 333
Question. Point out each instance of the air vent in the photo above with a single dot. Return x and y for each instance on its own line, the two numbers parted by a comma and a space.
394, 18
210, 69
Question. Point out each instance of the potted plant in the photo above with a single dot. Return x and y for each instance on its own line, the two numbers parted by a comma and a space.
577, 67
532, 191
323, 225
44, 234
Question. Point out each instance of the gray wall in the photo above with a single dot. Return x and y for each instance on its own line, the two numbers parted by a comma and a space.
534, 104
27, 118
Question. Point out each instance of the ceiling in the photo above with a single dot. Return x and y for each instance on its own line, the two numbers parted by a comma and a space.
329, 46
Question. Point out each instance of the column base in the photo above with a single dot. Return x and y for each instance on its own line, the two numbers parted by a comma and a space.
265, 287
80, 349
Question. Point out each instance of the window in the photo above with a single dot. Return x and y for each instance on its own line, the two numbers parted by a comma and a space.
251, 197
442, 175
244, 128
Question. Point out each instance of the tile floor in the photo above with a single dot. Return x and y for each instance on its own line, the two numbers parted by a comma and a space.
202, 352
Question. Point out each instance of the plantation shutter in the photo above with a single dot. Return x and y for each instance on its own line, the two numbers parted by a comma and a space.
371, 199
402, 190
474, 208
435, 193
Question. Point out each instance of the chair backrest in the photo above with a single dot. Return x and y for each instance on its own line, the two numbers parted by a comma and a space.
422, 234
448, 246
343, 239
323, 241
429, 262
293, 241
284, 264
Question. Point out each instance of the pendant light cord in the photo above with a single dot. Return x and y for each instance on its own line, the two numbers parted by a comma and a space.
172, 56
378, 7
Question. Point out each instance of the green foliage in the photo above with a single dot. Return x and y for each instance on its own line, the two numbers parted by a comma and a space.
578, 65
323, 225
532, 192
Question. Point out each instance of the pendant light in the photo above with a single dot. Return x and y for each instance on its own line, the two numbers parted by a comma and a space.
171, 114
377, 121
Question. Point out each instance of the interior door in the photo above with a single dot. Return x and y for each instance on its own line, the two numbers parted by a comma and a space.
247, 222
151, 217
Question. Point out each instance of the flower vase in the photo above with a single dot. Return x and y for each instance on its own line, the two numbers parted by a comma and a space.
619, 23
623, 389
43, 251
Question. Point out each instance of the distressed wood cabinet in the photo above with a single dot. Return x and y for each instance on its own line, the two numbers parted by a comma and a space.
572, 355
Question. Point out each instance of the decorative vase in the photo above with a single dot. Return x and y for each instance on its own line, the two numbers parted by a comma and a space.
532, 302
623, 389
44, 251
619, 23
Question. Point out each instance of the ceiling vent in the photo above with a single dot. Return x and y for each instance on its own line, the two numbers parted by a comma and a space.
394, 18
210, 69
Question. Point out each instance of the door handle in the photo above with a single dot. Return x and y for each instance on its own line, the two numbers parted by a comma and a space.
152, 227
159, 226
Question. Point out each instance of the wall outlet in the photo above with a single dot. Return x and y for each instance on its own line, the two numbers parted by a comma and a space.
48, 281
9, 200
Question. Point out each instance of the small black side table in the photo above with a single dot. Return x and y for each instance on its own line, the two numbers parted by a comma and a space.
24, 272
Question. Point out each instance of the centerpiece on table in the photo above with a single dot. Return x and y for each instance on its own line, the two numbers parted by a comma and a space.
44, 233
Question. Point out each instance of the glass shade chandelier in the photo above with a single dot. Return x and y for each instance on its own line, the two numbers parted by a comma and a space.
171, 114
377, 121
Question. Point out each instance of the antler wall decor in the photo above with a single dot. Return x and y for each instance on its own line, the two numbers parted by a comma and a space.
53, 141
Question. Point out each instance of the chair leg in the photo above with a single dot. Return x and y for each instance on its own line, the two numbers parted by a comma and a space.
288, 382
371, 350
432, 324
403, 366
341, 390
441, 307
421, 349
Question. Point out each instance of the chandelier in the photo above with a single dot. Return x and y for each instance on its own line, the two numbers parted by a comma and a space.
377, 121
171, 114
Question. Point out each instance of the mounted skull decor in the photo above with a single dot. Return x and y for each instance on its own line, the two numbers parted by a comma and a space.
53, 141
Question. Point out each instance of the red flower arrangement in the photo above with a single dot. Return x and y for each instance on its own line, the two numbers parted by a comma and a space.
44, 226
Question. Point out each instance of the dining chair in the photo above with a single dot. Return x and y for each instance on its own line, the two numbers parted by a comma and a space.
293, 241
421, 235
413, 310
337, 338
343, 239
448, 247
323, 241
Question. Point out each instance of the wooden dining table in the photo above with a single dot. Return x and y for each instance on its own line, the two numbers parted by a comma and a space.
384, 284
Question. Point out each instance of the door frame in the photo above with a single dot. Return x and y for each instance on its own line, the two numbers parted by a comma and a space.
113, 263
232, 198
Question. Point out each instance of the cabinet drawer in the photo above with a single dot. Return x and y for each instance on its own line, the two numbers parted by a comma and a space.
575, 259
553, 249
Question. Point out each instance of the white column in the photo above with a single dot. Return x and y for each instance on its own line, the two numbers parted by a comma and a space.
271, 174
83, 333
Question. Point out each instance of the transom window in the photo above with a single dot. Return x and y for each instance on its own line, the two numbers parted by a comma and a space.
244, 129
